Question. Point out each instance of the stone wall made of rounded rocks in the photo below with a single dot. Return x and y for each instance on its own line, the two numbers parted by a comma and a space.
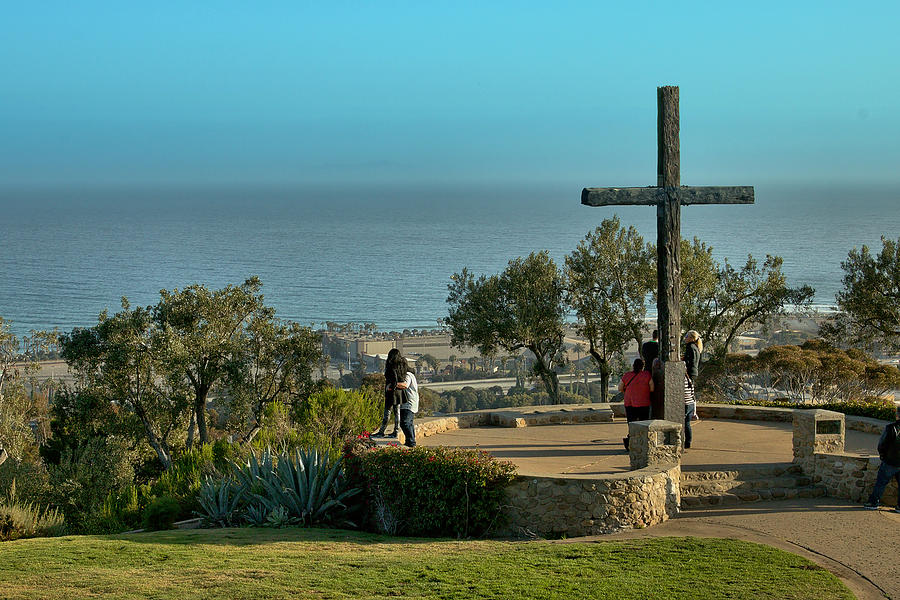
578, 506
851, 477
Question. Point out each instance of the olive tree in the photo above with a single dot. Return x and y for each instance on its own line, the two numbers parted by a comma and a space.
122, 359
522, 307
721, 301
608, 279
203, 330
870, 299
278, 362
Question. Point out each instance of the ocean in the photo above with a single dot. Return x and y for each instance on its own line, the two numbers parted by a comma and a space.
381, 254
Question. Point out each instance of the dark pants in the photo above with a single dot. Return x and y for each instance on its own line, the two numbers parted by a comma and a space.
392, 400
635, 413
387, 413
885, 473
407, 427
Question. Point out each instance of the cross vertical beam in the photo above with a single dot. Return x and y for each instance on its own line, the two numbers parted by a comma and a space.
668, 253
668, 224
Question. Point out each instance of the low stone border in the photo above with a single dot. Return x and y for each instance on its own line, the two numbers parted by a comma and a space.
851, 477
739, 412
516, 417
579, 505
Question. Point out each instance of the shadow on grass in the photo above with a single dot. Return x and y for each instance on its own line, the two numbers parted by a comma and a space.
252, 536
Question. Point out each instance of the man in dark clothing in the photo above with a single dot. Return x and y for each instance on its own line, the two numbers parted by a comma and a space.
889, 451
650, 350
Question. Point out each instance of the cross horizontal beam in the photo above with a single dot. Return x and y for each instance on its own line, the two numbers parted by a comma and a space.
653, 196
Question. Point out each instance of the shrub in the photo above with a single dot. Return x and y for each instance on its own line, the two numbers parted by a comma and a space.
872, 407
84, 477
162, 513
29, 479
126, 508
26, 520
436, 491
332, 415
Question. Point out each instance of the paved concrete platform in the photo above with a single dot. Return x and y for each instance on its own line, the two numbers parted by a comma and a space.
596, 448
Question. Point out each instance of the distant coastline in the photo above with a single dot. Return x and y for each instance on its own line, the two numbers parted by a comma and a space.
320, 252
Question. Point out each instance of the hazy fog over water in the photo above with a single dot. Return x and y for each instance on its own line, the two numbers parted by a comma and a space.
380, 254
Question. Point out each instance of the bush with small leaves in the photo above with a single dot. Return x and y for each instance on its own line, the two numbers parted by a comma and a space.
161, 514
431, 491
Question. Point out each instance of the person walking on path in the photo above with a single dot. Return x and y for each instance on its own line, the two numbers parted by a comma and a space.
693, 348
637, 385
650, 351
410, 406
394, 373
889, 451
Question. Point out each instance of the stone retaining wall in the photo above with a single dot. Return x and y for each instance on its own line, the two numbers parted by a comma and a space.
851, 477
576, 505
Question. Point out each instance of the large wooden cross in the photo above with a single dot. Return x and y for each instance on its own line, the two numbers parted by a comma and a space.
667, 197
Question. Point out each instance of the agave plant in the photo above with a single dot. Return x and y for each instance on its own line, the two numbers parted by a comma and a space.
308, 487
281, 517
219, 501
256, 514
255, 469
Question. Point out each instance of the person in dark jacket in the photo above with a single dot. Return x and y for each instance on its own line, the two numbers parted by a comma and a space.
693, 348
394, 373
650, 351
889, 451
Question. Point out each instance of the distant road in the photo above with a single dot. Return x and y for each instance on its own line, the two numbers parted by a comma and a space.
503, 382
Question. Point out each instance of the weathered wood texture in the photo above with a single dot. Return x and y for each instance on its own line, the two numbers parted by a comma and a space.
668, 228
668, 278
652, 196
668, 163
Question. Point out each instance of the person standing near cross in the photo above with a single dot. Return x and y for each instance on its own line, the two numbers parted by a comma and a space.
667, 197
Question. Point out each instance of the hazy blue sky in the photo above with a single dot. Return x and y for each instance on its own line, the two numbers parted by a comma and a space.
446, 91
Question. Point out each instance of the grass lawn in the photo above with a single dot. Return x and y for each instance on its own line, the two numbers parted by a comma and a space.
322, 563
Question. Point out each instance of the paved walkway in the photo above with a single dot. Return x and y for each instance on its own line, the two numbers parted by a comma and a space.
859, 546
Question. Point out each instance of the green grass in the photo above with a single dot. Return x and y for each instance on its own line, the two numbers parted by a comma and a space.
318, 563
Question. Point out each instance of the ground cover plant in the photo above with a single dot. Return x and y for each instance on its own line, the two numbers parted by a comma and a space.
316, 563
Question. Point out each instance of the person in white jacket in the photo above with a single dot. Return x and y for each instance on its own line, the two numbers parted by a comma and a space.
409, 407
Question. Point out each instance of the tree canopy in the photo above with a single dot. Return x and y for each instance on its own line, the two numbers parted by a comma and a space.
160, 363
608, 279
522, 307
870, 299
720, 301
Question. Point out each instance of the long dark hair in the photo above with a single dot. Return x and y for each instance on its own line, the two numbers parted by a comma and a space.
395, 364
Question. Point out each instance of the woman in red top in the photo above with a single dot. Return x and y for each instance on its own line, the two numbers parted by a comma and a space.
637, 386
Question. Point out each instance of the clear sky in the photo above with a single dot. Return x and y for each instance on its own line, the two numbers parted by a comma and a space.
421, 91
